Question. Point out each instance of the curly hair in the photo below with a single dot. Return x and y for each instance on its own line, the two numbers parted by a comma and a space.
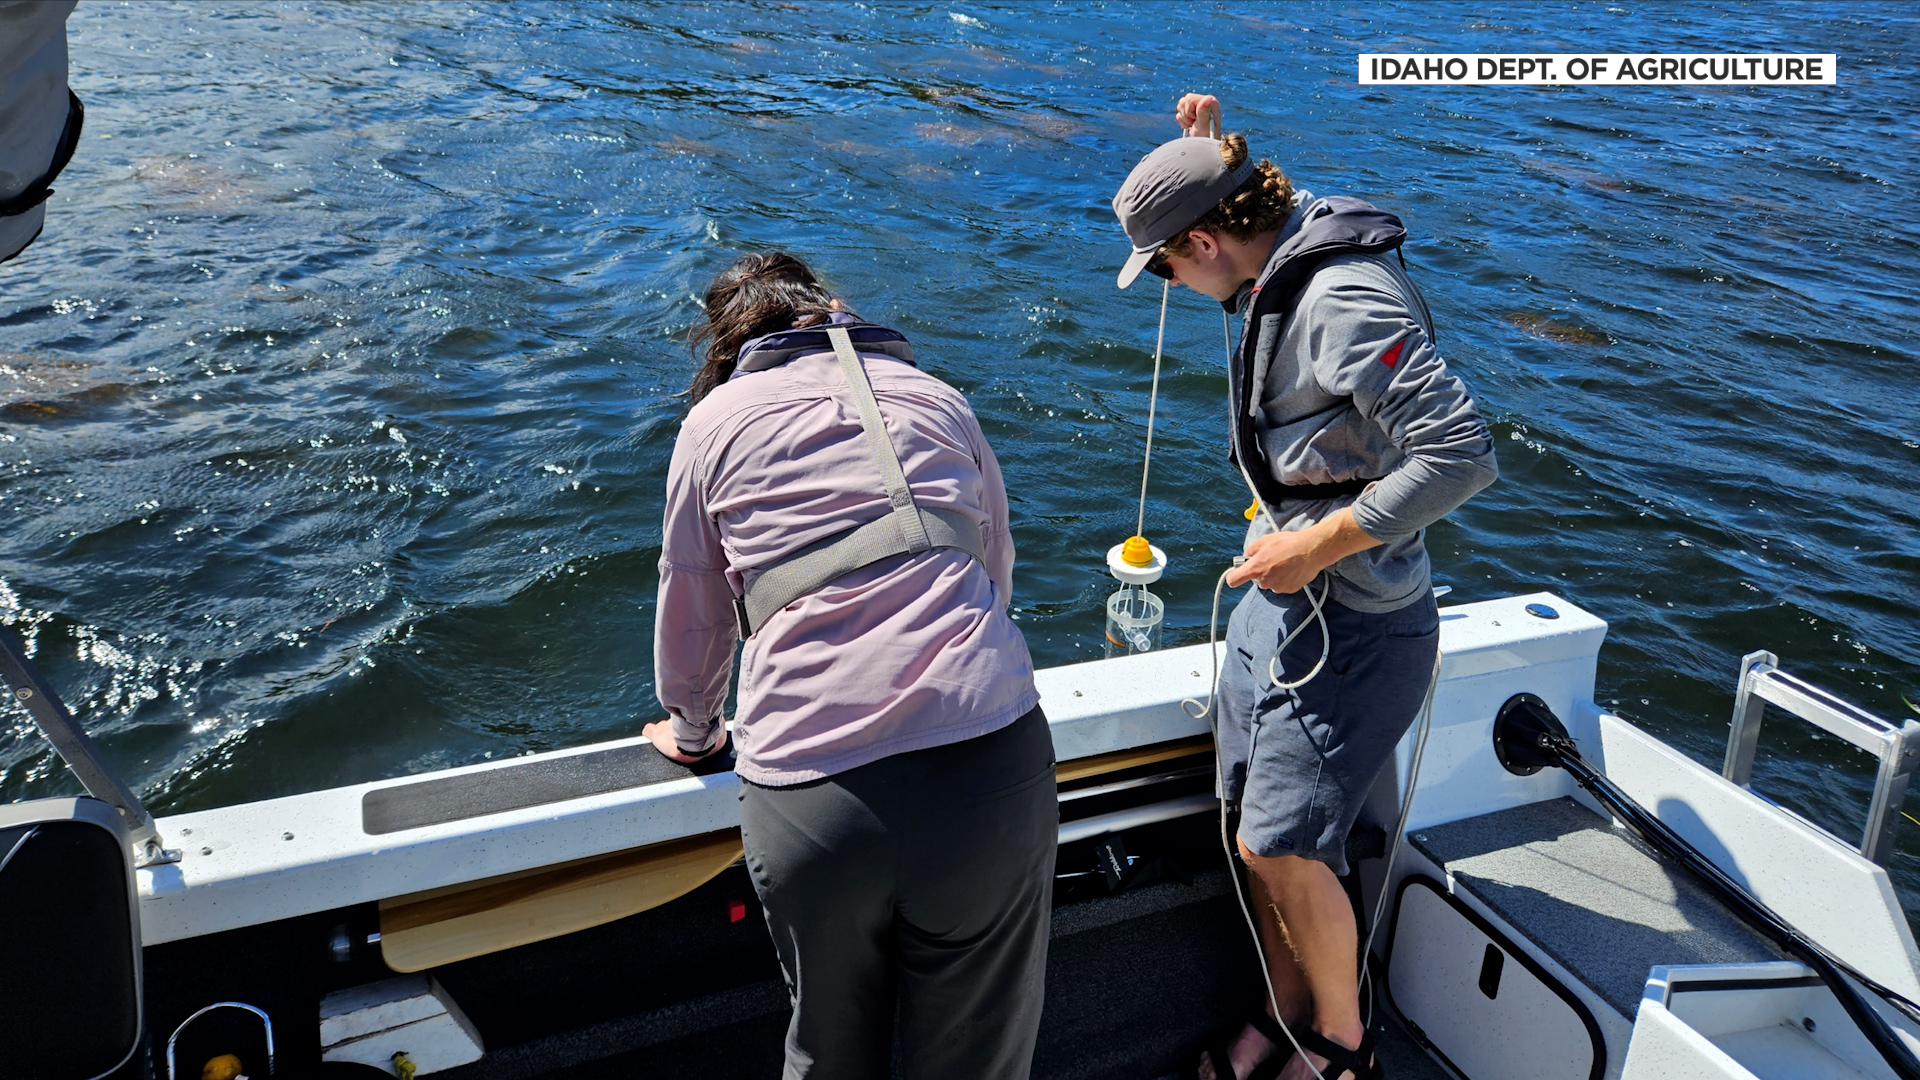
1261, 202
761, 293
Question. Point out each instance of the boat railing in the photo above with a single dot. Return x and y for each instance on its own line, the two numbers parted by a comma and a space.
77, 749
1897, 746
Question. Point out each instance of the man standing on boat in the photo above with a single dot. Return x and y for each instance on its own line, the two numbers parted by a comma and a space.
1356, 437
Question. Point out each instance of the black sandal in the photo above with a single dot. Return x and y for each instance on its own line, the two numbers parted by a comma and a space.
1359, 1063
1218, 1050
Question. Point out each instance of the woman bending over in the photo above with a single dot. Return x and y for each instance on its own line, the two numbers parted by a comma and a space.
840, 510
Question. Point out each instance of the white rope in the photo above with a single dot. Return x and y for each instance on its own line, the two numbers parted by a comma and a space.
1196, 709
1213, 650
1153, 398
1316, 605
1260, 950
1316, 614
1399, 838
1226, 836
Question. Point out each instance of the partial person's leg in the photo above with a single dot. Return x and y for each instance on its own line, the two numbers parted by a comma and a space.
1317, 752
1320, 927
975, 905
822, 864
1289, 982
1251, 1046
1258, 623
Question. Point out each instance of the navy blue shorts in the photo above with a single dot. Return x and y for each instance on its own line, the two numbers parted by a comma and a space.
1301, 762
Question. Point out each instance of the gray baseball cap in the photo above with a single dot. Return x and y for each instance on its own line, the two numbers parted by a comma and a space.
1169, 190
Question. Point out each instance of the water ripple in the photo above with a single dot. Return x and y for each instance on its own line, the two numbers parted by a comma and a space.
335, 400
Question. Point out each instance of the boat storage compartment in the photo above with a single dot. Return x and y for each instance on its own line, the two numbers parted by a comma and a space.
1768, 1021
1483, 1005
1572, 901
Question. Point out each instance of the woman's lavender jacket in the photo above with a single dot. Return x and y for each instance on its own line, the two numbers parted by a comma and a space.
902, 655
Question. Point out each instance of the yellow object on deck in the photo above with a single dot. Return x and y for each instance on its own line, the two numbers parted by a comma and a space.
223, 1067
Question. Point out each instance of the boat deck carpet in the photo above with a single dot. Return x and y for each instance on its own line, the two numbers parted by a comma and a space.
1135, 983
1592, 896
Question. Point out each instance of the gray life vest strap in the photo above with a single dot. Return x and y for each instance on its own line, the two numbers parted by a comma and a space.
908, 528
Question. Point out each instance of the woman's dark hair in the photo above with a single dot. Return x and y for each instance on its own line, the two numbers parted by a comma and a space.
762, 293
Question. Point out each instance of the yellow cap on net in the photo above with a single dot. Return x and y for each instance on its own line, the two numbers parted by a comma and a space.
1137, 552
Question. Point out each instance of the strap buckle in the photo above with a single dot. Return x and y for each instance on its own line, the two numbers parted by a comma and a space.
742, 622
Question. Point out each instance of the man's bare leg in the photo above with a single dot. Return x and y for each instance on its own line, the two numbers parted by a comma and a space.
1320, 926
1250, 1047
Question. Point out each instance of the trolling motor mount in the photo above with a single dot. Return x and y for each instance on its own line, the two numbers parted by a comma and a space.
1526, 735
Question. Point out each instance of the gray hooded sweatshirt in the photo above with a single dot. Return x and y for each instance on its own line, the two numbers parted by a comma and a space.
1351, 386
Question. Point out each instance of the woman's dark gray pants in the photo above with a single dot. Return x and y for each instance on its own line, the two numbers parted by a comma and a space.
921, 883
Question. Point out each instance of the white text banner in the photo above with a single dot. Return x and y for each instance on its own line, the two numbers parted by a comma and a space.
1598, 69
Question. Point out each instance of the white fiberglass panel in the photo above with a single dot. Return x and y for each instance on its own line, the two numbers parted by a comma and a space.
1480, 1004
258, 862
1818, 883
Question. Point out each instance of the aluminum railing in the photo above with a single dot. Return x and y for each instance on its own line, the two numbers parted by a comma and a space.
1897, 746
20, 678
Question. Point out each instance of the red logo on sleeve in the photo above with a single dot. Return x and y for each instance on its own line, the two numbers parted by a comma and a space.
1392, 356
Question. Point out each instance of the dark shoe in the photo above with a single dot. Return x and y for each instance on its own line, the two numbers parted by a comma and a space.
1342, 1063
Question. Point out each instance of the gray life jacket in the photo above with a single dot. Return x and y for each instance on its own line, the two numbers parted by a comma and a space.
40, 118
907, 529
1347, 226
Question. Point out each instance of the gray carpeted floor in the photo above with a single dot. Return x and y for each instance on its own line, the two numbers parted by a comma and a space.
1591, 895
1135, 984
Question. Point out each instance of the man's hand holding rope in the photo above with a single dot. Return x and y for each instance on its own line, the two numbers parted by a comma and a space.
1285, 562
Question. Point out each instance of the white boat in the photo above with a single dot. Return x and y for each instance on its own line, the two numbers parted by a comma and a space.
582, 912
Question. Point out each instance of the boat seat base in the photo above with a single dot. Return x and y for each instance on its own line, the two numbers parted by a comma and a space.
1589, 895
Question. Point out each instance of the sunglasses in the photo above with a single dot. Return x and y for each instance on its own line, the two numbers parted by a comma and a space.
1157, 266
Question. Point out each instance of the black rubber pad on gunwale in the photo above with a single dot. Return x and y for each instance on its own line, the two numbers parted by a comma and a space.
516, 787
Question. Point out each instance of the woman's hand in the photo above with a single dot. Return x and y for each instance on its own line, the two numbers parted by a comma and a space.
660, 732
1199, 114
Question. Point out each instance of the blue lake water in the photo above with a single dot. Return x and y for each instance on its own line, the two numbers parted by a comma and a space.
335, 400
